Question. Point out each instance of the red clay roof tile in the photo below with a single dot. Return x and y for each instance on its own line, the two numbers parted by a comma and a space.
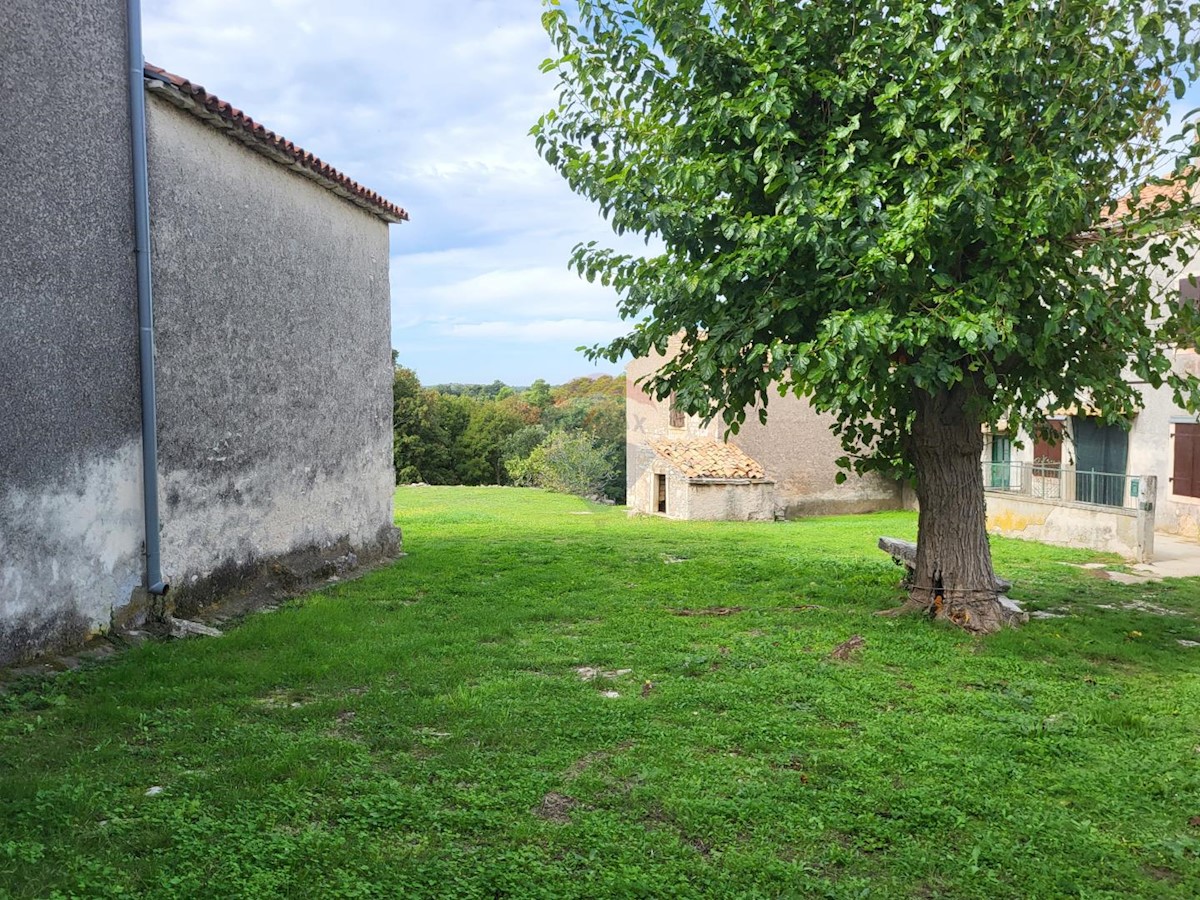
708, 458
206, 106
1152, 197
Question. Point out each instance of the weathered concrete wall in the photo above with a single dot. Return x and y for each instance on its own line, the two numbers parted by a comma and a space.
642, 497
796, 447
70, 467
274, 363
1150, 445
731, 502
646, 420
1151, 449
735, 501
639, 477
1068, 525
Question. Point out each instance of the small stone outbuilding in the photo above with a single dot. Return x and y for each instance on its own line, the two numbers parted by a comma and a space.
701, 478
784, 469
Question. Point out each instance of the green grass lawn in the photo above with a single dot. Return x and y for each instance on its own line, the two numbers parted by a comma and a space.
424, 731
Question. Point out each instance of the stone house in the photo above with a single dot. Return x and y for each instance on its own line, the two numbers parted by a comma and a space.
681, 468
1102, 486
239, 437
1106, 486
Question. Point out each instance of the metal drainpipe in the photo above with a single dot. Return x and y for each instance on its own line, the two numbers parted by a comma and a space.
141, 217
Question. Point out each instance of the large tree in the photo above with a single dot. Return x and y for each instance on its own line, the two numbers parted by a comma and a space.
901, 210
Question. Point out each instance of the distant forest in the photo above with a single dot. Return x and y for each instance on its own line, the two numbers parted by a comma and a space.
568, 438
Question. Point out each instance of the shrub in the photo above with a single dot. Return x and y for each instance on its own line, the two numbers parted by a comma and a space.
566, 463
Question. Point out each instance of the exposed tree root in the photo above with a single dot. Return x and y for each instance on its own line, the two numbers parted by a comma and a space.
908, 606
986, 614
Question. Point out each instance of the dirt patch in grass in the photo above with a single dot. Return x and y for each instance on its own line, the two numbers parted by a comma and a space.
284, 699
556, 808
588, 673
588, 760
1161, 873
848, 647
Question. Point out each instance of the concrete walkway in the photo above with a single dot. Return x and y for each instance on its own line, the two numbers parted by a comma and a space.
1174, 557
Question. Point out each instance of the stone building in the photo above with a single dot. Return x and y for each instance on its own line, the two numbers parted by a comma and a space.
270, 342
1108, 486
681, 468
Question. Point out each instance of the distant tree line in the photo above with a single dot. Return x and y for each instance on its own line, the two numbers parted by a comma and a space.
569, 438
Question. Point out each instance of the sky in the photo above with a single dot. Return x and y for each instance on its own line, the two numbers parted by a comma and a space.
428, 102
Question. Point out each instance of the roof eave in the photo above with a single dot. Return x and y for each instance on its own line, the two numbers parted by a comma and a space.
701, 479
265, 144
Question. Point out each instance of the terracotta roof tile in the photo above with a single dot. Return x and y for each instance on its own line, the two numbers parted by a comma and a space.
1154, 198
707, 458
215, 111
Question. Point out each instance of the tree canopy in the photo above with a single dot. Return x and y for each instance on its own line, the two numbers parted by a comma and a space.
487, 434
902, 210
860, 199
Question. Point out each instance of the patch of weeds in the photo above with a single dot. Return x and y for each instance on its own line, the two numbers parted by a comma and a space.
423, 731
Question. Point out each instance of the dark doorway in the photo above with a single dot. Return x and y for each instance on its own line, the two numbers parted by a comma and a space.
1100, 456
1047, 454
660, 492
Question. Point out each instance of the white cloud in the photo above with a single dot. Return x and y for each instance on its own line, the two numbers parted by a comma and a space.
429, 103
575, 332
525, 292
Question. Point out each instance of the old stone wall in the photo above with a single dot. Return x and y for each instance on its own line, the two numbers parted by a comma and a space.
70, 465
796, 447
731, 501
274, 365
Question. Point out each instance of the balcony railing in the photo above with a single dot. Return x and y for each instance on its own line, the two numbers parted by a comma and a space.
1051, 481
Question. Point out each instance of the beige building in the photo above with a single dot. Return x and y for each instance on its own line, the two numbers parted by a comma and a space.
1101, 486
1105, 486
681, 468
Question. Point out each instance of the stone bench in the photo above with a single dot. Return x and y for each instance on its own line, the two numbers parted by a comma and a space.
904, 553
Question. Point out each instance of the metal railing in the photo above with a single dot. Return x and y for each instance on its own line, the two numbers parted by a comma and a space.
1051, 481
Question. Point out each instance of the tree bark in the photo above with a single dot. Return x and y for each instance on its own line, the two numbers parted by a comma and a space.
953, 579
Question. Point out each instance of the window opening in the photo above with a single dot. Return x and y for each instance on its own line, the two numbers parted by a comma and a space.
677, 414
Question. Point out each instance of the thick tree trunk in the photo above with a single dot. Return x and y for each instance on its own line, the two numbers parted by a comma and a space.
953, 579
